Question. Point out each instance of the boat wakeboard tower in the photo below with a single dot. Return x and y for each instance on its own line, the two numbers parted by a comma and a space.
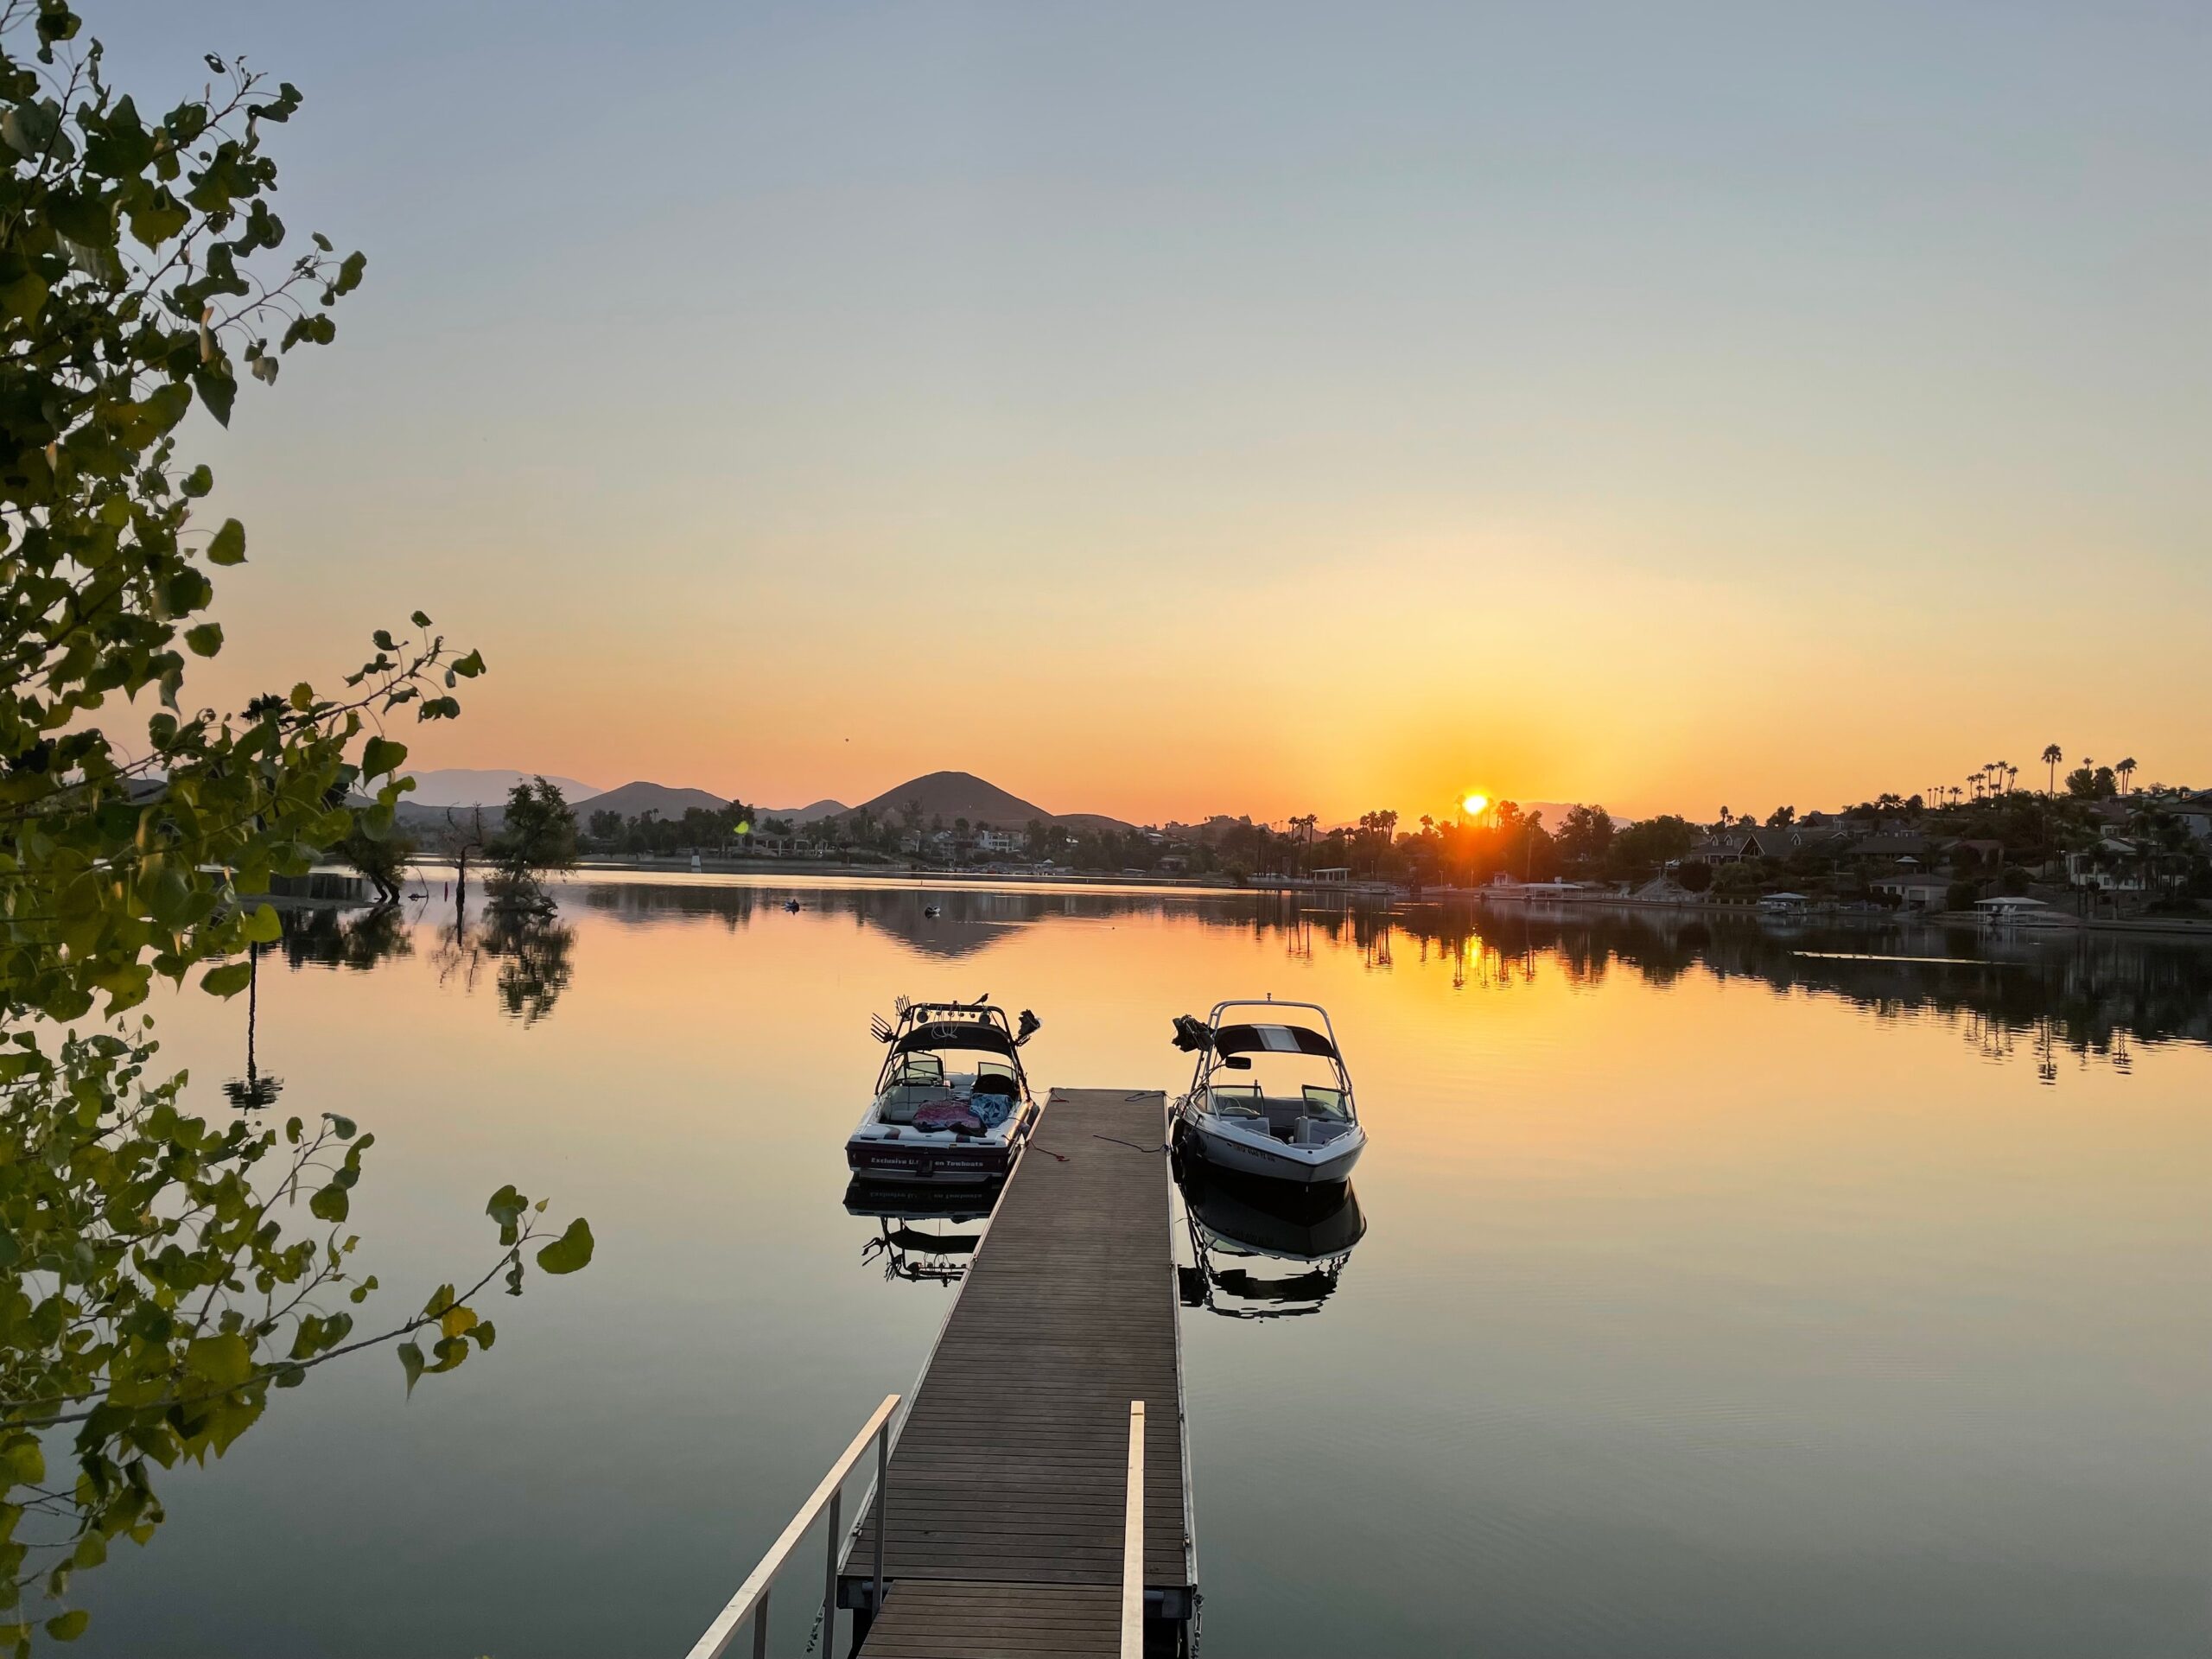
952, 1104
1269, 1097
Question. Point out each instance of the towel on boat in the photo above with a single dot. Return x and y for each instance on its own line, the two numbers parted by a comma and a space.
948, 1115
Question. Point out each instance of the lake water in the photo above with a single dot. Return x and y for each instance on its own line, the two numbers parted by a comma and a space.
1724, 1292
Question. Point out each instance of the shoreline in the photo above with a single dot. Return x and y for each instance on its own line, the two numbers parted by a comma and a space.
1380, 894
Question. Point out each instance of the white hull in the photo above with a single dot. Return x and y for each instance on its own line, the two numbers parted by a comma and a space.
1269, 1160
905, 1156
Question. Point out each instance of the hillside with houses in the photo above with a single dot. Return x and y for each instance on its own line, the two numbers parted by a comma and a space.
2087, 845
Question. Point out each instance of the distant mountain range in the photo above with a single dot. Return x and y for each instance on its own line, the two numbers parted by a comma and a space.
463, 787
952, 795
635, 800
947, 795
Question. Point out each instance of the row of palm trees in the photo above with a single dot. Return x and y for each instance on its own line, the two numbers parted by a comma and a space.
2053, 756
1995, 777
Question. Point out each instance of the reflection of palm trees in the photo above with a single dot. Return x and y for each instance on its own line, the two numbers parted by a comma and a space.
253, 1091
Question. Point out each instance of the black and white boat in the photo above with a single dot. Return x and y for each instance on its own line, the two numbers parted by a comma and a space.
952, 1104
1293, 1118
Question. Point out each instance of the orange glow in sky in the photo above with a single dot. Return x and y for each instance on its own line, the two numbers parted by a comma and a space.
1045, 498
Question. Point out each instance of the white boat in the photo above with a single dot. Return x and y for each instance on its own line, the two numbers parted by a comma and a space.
1294, 1121
952, 1105
2008, 912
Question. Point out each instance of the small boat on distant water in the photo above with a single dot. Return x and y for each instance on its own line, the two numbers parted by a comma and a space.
952, 1104
1294, 1123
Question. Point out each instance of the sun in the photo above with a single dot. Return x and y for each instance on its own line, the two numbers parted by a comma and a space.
1473, 805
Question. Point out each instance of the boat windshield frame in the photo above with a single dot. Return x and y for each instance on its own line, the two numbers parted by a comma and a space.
1212, 1061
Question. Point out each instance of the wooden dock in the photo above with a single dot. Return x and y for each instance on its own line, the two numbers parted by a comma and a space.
1008, 1475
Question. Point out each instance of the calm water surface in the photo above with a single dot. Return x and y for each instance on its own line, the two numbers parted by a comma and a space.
1720, 1295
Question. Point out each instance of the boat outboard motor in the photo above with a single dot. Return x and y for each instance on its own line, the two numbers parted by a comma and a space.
1193, 1034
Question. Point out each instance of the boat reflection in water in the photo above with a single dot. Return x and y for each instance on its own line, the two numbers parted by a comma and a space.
1264, 1249
925, 1234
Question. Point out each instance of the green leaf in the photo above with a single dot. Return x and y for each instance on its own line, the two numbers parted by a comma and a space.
570, 1251
198, 482
22, 1461
410, 1361
456, 1321
206, 640
330, 1203
342, 1126
380, 756
228, 980
68, 1627
505, 1208
421, 620
217, 389
224, 1361
263, 926
470, 666
22, 298
229, 545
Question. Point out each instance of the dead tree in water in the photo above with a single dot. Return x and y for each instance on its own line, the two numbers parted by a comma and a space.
464, 839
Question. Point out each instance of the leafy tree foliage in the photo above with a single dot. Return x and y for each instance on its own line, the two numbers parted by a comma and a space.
151, 1296
539, 834
1644, 848
1584, 833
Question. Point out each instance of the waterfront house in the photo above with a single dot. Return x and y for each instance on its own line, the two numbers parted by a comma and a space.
1891, 847
1922, 890
2113, 865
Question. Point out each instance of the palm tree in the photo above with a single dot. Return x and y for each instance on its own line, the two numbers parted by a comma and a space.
2126, 770
2052, 754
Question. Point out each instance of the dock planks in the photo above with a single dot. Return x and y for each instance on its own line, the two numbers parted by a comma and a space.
1007, 1478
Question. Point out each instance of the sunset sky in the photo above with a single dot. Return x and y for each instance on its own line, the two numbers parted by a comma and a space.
1162, 410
